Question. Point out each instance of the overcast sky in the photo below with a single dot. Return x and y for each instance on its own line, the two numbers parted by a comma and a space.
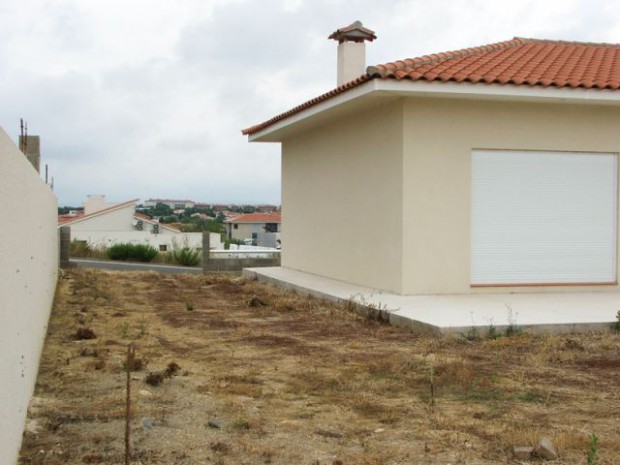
146, 98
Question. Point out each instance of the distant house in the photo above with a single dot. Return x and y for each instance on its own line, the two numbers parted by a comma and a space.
172, 203
250, 227
489, 168
104, 224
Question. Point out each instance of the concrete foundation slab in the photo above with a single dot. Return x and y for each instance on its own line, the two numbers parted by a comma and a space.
441, 314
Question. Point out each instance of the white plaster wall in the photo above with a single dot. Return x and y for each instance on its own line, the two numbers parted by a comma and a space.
245, 230
342, 197
29, 259
438, 139
117, 220
165, 237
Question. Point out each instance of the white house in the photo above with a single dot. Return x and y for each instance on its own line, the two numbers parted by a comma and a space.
29, 251
258, 228
493, 168
103, 224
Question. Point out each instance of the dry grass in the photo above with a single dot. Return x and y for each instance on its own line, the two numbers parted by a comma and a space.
295, 380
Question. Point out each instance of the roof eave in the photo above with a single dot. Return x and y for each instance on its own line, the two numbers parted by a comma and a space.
104, 211
277, 131
385, 88
498, 91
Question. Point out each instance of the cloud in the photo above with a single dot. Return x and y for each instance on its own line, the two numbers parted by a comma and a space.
134, 98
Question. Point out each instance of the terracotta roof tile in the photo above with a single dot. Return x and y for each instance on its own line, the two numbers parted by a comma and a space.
531, 62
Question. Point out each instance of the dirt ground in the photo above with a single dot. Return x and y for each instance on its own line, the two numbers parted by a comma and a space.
250, 374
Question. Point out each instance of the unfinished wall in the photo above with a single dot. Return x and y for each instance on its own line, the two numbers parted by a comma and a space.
29, 251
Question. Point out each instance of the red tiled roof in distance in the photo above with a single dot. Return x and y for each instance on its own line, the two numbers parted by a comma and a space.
256, 218
149, 220
66, 218
519, 62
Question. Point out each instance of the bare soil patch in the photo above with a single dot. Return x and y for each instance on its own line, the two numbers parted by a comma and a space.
252, 374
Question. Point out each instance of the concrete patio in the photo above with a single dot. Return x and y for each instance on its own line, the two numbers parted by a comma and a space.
558, 312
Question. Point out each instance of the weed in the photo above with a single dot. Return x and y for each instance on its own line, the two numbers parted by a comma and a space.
617, 323
493, 332
143, 327
371, 311
431, 372
184, 255
187, 257
592, 455
123, 330
83, 249
256, 302
531, 397
472, 334
189, 307
513, 329
241, 423
219, 446
171, 370
154, 378
83, 334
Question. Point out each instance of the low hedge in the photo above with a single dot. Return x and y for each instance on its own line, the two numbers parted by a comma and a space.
132, 252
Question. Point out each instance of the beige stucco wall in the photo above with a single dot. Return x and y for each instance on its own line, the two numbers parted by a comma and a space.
29, 251
439, 136
342, 198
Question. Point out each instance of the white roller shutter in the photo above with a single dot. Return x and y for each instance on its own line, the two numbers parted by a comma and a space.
543, 217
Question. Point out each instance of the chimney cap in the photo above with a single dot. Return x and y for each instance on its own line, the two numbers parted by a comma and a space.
354, 32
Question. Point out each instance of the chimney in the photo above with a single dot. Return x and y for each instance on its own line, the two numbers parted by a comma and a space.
30, 146
352, 50
95, 203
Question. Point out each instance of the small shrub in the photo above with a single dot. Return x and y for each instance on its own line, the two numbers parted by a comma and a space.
143, 252
154, 378
186, 256
227, 243
157, 377
172, 369
134, 252
617, 323
118, 252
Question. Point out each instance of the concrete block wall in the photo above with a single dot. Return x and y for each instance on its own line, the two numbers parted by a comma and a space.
29, 259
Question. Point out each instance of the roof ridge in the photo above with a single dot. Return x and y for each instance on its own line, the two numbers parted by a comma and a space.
568, 42
116, 206
383, 69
